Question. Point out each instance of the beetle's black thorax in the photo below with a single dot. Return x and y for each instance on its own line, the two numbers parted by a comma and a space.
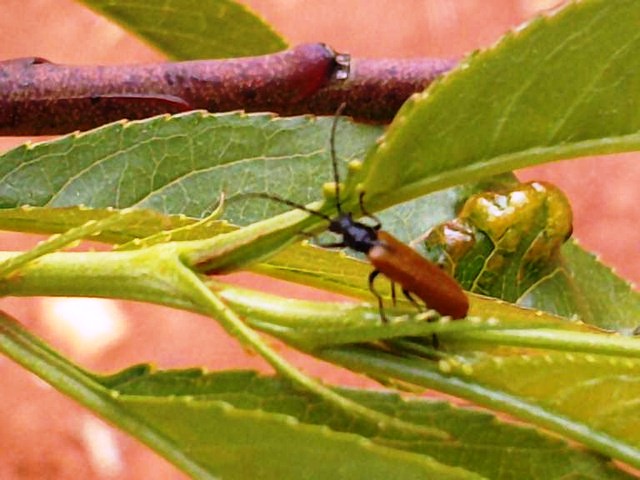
355, 235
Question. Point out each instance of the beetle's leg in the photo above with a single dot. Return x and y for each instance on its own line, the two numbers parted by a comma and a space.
372, 277
364, 211
408, 296
393, 293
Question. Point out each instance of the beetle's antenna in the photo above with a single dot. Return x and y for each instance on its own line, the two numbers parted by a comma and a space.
334, 161
275, 198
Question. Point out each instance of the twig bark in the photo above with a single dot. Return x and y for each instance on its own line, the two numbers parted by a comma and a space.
38, 97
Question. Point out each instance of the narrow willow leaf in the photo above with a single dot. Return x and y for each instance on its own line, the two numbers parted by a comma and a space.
312, 325
563, 86
187, 30
598, 391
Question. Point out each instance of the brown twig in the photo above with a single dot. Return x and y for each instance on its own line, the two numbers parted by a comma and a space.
39, 97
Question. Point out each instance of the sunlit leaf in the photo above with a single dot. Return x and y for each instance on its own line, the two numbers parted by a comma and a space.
187, 30
564, 86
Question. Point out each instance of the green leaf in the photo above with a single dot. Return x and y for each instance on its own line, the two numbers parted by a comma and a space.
516, 451
194, 29
180, 164
506, 243
613, 303
590, 398
561, 382
134, 225
241, 425
562, 87
503, 242
566, 85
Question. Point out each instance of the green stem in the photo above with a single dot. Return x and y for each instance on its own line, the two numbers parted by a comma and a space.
156, 274
59, 241
145, 275
28, 351
216, 308
232, 251
553, 339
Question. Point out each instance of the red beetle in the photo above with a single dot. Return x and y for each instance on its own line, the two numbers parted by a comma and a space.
395, 260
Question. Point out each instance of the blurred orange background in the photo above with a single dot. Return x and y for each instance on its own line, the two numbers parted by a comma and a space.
45, 435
